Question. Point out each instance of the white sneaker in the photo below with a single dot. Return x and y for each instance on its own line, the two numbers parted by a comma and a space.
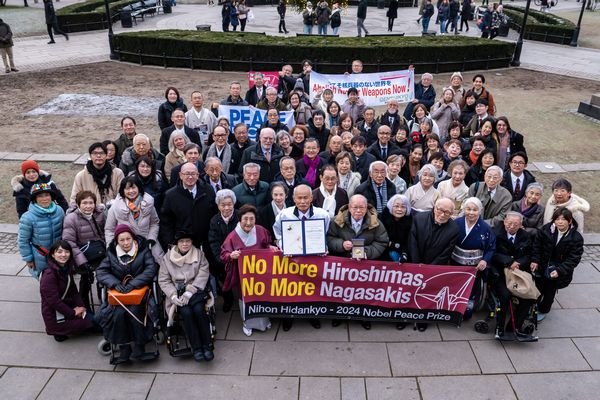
247, 331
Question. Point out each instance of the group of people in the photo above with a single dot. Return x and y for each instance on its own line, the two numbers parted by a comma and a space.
234, 13
321, 16
444, 182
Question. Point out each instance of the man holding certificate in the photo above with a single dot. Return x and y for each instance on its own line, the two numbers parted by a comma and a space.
356, 232
300, 230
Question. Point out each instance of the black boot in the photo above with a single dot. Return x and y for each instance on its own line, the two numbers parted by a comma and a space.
199, 355
138, 351
124, 354
60, 338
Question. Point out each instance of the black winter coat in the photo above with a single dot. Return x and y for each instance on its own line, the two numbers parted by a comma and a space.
564, 255
182, 212
164, 113
218, 233
111, 271
431, 243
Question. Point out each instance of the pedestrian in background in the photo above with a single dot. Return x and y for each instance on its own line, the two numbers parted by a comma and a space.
281, 9
6, 45
336, 18
392, 14
52, 22
361, 15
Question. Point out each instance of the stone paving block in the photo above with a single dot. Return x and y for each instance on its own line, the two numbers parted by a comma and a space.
3, 154
223, 322
2, 370
19, 316
563, 386
320, 359
590, 348
12, 156
66, 384
581, 167
491, 357
235, 331
313, 388
581, 295
548, 167
586, 273
570, 323
546, 355
23, 383
82, 159
231, 358
466, 387
382, 332
40, 350
167, 386
415, 359
466, 331
11, 264
353, 389
17, 288
9, 228
392, 388
302, 331
56, 157
117, 386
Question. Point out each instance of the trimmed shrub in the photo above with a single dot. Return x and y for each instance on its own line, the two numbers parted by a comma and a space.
237, 51
541, 26
90, 15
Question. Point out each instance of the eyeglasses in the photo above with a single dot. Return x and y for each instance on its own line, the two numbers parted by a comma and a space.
444, 212
517, 162
98, 153
189, 174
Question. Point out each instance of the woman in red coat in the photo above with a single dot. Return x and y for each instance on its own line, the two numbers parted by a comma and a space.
62, 307
246, 236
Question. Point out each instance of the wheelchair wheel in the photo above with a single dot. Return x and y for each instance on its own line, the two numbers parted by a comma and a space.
160, 337
482, 326
528, 328
480, 300
104, 347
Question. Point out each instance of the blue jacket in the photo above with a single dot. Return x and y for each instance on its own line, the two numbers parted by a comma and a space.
42, 227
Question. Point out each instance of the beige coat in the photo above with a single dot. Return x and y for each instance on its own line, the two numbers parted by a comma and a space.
85, 181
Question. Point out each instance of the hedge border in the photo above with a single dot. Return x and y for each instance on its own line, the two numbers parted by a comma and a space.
542, 27
247, 51
89, 15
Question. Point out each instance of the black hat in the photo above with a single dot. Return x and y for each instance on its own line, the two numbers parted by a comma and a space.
183, 234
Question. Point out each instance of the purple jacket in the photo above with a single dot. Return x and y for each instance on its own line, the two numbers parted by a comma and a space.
78, 230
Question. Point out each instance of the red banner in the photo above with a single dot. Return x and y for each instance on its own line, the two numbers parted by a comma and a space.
271, 78
334, 287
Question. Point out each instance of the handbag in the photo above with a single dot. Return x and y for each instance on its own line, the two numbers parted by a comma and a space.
133, 298
94, 250
520, 284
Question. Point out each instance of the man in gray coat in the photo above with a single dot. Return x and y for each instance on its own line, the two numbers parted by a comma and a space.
6, 45
496, 199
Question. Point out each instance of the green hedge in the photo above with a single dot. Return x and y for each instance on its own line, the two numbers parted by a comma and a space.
245, 51
90, 15
541, 26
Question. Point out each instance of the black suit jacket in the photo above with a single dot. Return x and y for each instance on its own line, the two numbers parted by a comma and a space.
362, 165
507, 252
252, 97
526, 179
227, 181
375, 149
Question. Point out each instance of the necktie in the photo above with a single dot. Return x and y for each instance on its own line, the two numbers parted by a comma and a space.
268, 155
512, 239
356, 227
518, 187
384, 153
217, 187
304, 218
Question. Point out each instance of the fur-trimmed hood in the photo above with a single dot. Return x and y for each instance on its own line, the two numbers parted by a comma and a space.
17, 181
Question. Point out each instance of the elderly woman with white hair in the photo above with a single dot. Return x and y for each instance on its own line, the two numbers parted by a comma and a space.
222, 225
475, 247
530, 208
175, 157
455, 188
397, 220
141, 147
423, 195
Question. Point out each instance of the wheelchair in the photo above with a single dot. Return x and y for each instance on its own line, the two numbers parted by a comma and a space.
153, 317
177, 340
526, 333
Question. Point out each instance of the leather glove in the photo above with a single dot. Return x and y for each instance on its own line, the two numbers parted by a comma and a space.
176, 300
119, 287
128, 288
185, 298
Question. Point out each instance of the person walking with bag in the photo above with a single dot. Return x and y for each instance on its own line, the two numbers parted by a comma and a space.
52, 22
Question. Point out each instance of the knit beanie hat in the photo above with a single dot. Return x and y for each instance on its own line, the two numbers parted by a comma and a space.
456, 74
123, 228
40, 188
29, 164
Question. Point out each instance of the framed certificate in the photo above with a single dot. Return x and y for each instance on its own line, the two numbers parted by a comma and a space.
300, 238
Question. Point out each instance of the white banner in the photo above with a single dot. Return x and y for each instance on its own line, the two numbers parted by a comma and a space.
374, 89
253, 117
